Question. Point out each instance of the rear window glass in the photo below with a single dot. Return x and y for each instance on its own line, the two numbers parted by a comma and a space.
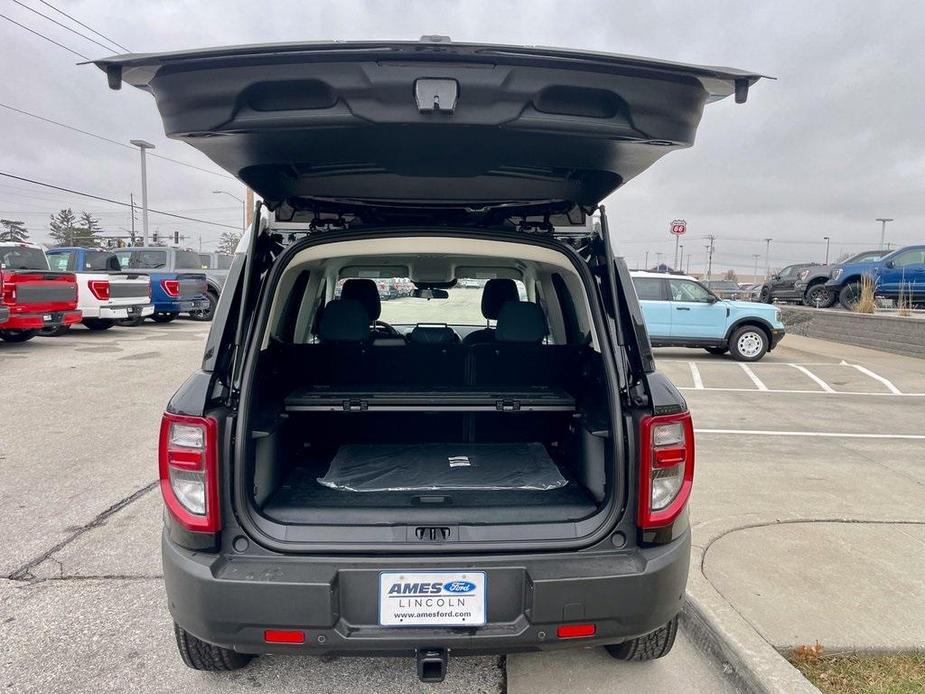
24, 258
59, 261
142, 260
97, 260
648, 288
187, 260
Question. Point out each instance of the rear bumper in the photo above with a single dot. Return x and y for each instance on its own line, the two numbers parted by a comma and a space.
231, 600
182, 306
37, 321
118, 312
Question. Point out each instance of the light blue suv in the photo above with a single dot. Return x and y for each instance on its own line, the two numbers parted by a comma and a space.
680, 312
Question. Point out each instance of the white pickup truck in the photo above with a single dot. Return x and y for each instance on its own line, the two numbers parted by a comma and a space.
105, 293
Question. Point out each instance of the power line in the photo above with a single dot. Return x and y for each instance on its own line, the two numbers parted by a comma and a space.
63, 26
89, 28
117, 202
33, 31
110, 140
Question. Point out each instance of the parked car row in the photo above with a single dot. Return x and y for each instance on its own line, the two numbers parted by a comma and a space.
895, 275
48, 292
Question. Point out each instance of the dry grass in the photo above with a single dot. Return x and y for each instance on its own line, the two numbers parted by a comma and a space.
861, 674
904, 302
867, 302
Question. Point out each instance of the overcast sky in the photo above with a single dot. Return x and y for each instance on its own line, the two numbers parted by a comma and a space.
837, 141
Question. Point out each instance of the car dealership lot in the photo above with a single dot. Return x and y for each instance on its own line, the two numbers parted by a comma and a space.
82, 606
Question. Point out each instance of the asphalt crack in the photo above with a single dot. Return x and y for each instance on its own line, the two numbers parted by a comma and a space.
24, 572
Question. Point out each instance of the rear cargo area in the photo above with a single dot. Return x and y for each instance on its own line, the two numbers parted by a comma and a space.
429, 434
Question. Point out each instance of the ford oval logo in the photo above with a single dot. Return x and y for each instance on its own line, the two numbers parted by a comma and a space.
459, 587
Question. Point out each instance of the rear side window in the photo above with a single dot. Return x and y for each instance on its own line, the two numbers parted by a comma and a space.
60, 262
649, 288
187, 260
99, 261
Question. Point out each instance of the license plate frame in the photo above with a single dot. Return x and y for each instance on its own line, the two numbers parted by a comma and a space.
432, 598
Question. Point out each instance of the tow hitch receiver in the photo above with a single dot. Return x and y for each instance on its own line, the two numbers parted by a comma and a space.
432, 664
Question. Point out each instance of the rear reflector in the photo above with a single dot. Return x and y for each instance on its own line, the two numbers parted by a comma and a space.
284, 636
666, 468
575, 631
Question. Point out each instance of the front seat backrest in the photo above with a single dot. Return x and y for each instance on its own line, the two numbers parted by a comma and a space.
521, 321
495, 294
343, 320
366, 292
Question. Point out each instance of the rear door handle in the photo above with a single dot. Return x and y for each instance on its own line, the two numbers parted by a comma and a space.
682, 308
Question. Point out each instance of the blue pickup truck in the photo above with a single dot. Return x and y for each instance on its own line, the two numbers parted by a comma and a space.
679, 311
178, 284
900, 273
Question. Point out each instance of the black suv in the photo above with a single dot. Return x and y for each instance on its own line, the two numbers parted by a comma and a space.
451, 471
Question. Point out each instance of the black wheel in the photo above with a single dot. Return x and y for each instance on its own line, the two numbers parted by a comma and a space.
200, 655
206, 313
17, 335
54, 332
748, 343
764, 296
717, 350
648, 647
164, 317
849, 296
818, 296
131, 322
98, 323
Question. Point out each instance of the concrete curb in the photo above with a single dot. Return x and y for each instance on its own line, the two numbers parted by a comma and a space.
748, 659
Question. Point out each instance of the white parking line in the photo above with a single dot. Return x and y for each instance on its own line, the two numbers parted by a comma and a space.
822, 384
818, 434
751, 374
805, 392
877, 377
695, 375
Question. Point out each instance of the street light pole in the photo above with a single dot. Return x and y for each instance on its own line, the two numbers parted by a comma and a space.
756, 256
767, 258
680, 265
826, 250
883, 221
143, 145
243, 207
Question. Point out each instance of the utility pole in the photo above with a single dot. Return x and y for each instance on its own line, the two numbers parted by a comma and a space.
680, 264
688, 263
883, 221
646, 264
142, 145
756, 256
710, 256
826, 250
767, 258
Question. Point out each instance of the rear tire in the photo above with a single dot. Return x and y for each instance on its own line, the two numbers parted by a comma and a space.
164, 317
98, 323
849, 295
14, 336
54, 332
648, 647
717, 350
200, 655
818, 296
206, 313
748, 343
765, 296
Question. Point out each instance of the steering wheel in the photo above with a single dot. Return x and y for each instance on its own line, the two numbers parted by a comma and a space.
386, 329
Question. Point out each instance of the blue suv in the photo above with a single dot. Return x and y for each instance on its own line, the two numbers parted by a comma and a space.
900, 273
680, 312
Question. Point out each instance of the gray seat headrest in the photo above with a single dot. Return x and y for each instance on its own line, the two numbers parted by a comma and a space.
496, 293
343, 320
521, 321
365, 291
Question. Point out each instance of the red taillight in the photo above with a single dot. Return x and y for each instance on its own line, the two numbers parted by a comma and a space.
171, 287
8, 295
99, 289
189, 471
575, 631
666, 468
284, 636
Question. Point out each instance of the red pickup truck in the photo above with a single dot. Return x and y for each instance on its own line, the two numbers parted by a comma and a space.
32, 297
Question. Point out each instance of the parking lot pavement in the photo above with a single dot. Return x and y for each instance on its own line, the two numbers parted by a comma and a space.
81, 522
808, 503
